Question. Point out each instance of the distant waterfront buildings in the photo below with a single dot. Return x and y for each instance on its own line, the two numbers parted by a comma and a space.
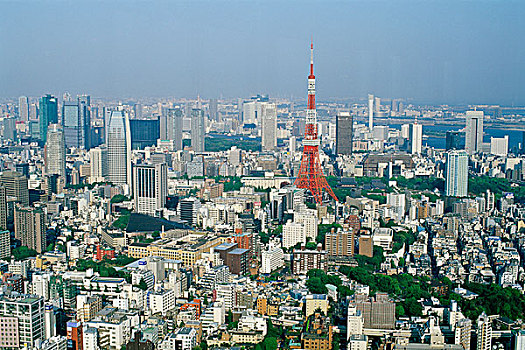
416, 138
474, 132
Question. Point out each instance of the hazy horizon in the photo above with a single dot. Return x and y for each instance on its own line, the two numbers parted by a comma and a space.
427, 51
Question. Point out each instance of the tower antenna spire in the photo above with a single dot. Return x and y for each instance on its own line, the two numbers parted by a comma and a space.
311, 176
312, 56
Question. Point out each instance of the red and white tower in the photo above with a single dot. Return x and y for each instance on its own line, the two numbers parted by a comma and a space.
311, 174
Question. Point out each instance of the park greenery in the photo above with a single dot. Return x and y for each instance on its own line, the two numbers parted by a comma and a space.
421, 183
406, 288
105, 268
478, 185
318, 279
494, 300
219, 144
371, 263
122, 221
23, 252
119, 198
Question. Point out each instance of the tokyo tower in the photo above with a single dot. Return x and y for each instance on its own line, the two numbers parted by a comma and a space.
311, 175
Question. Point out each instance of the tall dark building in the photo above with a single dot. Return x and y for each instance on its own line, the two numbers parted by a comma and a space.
144, 132
47, 114
76, 119
16, 186
84, 108
214, 113
522, 142
454, 140
344, 133
30, 227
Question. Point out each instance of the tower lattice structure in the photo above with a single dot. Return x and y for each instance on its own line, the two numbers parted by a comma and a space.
311, 175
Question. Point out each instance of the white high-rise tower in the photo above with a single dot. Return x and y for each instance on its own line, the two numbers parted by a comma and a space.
457, 174
370, 112
23, 108
119, 149
55, 151
269, 126
416, 138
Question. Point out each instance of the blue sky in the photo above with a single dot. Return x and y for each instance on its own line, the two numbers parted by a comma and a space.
429, 51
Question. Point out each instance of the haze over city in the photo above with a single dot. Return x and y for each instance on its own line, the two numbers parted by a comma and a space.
453, 52
262, 175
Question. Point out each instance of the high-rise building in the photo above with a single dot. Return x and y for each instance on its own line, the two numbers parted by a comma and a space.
22, 320
397, 203
5, 244
138, 111
474, 132
214, 111
71, 123
377, 104
188, 208
76, 119
150, 188
144, 132
3, 208
251, 112
119, 149
198, 130
344, 130
74, 336
303, 260
50, 321
499, 146
15, 186
98, 161
55, 151
519, 339
354, 321
370, 112
484, 332
405, 131
457, 174
9, 129
269, 126
30, 227
454, 140
84, 109
23, 108
174, 121
47, 114
378, 312
462, 333
339, 243
522, 143
416, 138
293, 233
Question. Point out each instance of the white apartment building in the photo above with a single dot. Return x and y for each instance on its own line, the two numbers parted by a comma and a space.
293, 233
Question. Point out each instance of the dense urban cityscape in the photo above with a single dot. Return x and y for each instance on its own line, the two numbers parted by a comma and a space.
261, 222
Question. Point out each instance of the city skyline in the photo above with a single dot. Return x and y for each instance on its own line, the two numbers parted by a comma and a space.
230, 49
